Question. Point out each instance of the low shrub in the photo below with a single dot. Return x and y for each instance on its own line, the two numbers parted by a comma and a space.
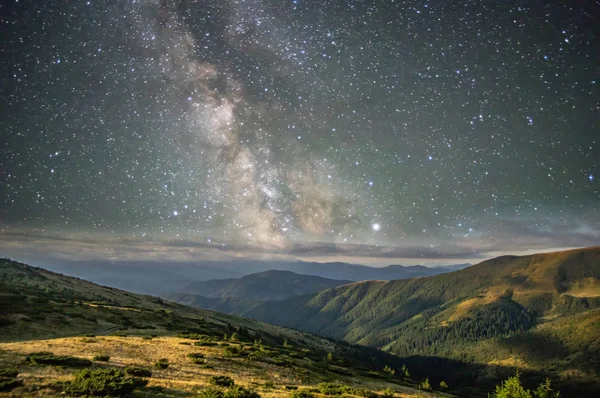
197, 357
222, 381
233, 351
9, 372
162, 363
332, 388
269, 384
101, 358
291, 387
210, 392
48, 358
137, 372
205, 343
302, 394
362, 392
240, 392
102, 383
336, 388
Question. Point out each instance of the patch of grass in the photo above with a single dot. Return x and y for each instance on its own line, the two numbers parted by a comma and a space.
102, 383
222, 381
48, 358
101, 358
137, 372
162, 363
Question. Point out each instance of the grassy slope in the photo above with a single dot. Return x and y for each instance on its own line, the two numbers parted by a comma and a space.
539, 312
44, 311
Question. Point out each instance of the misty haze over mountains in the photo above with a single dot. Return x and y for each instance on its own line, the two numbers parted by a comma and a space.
160, 278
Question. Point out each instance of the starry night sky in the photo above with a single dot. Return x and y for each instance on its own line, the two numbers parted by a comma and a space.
368, 129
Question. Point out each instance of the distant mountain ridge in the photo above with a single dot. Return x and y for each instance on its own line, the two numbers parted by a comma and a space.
160, 278
267, 285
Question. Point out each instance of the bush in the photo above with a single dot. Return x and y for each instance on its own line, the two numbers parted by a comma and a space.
197, 357
302, 394
425, 385
362, 392
101, 358
388, 393
240, 392
204, 343
334, 388
137, 372
162, 363
233, 351
102, 383
9, 372
48, 358
222, 381
210, 392
269, 384
443, 384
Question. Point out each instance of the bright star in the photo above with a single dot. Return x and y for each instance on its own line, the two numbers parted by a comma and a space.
376, 227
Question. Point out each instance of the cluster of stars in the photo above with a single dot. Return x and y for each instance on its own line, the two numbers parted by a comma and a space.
270, 122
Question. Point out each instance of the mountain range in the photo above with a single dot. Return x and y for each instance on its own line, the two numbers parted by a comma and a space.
537, 312
160, 278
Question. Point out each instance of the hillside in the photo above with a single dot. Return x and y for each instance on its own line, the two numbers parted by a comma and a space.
538, 313
52, 325
268, 285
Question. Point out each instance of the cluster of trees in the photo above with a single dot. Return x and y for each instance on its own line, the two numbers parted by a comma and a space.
504, 318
